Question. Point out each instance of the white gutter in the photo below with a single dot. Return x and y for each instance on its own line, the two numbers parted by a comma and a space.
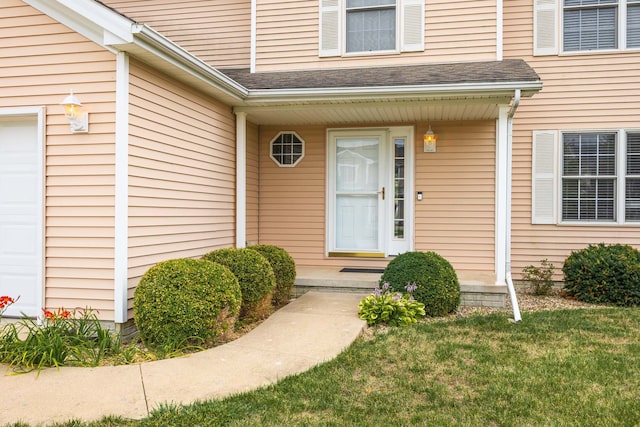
162, 47
350, 93
508, 278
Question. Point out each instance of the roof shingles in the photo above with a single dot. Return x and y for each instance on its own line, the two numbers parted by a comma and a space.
507, 71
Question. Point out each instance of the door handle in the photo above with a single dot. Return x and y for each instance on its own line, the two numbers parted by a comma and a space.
382, 193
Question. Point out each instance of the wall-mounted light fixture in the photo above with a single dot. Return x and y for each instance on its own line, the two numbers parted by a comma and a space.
78, 120
430, 140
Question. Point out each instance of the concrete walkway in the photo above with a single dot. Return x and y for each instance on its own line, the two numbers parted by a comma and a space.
312, 329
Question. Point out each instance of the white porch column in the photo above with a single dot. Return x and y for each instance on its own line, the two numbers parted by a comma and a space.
503, 177
121, 241
241, 179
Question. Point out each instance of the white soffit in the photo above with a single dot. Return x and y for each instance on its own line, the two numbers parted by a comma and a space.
385, 112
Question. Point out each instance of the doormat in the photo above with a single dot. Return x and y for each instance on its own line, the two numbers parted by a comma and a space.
362, 270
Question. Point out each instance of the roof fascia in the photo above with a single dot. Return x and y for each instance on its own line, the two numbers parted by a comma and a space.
489, 90
93, 20
116, 32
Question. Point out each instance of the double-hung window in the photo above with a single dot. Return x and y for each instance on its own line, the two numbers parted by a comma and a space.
585, 25
370, 25
353, 27
632, 183
592, 177
590, 25
589, 177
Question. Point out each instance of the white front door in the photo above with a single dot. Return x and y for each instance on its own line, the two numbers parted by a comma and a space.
368, 211
21, 213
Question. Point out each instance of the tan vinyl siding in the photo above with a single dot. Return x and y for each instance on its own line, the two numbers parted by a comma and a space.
218, 32
456, 217
40, 61
292, 200
181, 172
458, 30
253, 183
598, 91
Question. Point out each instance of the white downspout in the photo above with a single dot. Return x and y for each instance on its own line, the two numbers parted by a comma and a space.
509, 280
499, 29
252, 50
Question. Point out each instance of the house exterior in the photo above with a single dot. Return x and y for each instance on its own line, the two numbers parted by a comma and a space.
300, 123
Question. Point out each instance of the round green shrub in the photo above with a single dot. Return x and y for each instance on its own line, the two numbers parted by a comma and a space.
182, 302
438, 286
284, 269
604, 274
254, 274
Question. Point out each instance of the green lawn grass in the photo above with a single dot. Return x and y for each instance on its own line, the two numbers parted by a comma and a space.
554, 368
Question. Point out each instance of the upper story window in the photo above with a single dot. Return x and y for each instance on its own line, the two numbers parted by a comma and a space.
590, 24
370, 25
586, 25
352, 27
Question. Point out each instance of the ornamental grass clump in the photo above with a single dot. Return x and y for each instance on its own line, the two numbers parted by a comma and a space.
60, 338
284, 269
255, 277
182, 303
393, 308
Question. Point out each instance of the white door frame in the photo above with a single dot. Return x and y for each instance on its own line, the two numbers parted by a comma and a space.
37, 113
388, 244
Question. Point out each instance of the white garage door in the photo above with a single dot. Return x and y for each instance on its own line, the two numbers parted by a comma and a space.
21, 213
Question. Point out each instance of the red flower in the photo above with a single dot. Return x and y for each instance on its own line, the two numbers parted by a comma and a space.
61, 313
6, 301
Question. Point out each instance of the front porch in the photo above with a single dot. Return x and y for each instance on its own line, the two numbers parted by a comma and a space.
477, 289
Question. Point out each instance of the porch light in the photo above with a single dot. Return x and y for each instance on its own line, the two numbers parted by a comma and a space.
78, 120
430, 140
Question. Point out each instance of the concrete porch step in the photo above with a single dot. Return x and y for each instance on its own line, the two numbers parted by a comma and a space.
474, 292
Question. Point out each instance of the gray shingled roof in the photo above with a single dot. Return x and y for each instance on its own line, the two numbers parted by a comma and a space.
507, 71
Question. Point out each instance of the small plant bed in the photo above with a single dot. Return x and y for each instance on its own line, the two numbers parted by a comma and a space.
75, 338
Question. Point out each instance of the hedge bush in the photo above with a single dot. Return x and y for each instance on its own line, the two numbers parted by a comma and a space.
182, 302
438, 286
604, 274
255, 276
284, 269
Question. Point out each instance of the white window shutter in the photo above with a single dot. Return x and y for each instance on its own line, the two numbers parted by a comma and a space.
545, 27
330, 27
543, 203
412, 25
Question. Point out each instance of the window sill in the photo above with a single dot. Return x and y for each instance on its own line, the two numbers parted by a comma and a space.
599, 52
371, 53
597, 224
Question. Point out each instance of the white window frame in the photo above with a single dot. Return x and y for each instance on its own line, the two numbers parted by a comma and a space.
396, 49
619, 158
273, 140
553, 212
410, 31
548, 31
621, 30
